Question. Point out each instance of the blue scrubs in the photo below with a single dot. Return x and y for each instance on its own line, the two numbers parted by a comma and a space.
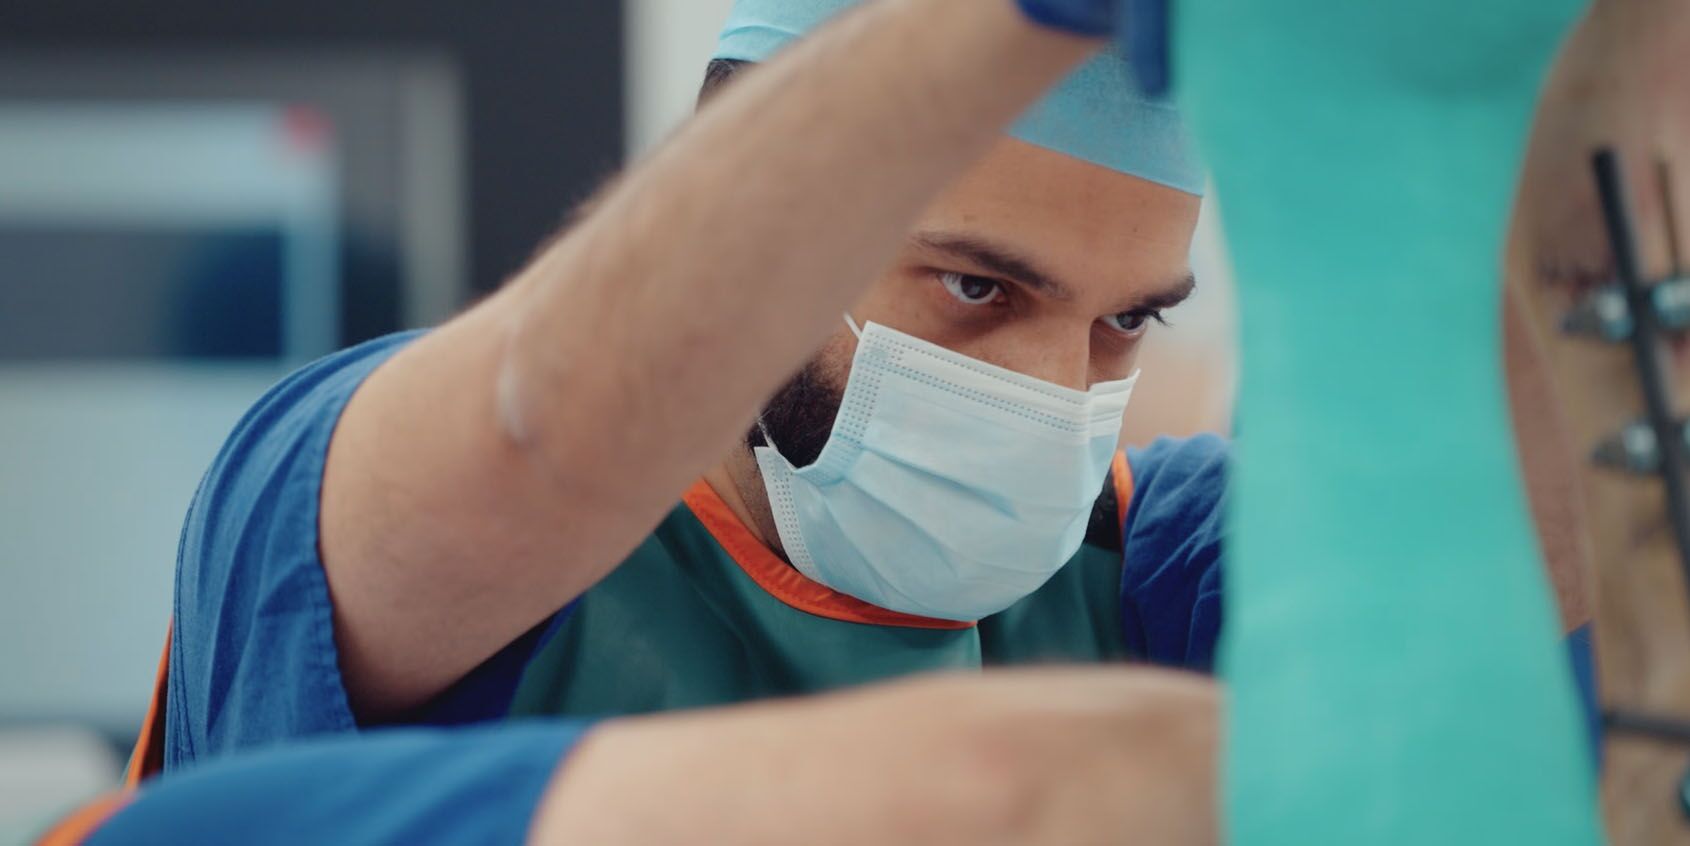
253, 662
398, 786
253, 659
1171, 584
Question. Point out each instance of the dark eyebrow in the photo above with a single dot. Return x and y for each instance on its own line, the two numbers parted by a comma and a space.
997, 259
1168, 297
1014, 267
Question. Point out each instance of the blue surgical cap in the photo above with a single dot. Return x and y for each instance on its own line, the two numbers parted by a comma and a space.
1097, 114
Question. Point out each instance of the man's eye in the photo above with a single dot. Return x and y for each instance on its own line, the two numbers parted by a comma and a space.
1132, 322
972, 290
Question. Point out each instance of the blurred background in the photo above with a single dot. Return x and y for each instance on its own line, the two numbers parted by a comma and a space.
197, 196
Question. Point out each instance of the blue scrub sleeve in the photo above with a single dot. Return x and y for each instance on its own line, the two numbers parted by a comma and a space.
253, 658
1171, 542
1580, 650
398, 786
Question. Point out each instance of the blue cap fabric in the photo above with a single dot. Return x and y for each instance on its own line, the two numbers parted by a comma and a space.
1097, 114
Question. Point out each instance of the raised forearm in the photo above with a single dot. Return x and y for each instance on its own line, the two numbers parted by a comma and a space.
718, 265
501, 465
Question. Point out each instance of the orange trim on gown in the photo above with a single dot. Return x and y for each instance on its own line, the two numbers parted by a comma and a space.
783, 581
1123, 476
84, 821
147, 759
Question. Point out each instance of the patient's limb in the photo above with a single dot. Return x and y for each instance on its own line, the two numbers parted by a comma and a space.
1053, 756
1620, 83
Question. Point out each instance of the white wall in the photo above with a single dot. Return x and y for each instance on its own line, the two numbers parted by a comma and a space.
89, 524
669, 44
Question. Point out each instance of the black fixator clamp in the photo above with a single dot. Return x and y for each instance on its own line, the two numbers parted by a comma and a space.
1605, 314
1671, 298
1634, 449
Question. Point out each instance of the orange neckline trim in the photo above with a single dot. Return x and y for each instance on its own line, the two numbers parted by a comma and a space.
783, 581
1123, 476
75, 829
147, 759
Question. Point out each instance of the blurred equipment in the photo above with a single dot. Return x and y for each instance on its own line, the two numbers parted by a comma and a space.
176, 233
387, 129
162, 232
46, 772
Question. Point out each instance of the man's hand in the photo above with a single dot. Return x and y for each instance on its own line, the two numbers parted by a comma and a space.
1052, 756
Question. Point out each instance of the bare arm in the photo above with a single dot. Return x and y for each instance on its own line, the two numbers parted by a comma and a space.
1049, 756
503, 464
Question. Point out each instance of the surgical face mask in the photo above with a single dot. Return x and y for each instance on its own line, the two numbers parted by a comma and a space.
948, 488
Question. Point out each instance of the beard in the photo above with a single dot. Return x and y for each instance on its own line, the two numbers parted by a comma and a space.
800, 415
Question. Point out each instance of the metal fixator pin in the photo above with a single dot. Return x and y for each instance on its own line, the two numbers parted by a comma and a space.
1671, 296
1671, 299
1603, 314
1634, 449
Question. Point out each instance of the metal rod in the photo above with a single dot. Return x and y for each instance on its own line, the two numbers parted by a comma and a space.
1647, 725
1645, 343
1663, 183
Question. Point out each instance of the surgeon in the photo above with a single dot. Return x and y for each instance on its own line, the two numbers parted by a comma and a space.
826, 392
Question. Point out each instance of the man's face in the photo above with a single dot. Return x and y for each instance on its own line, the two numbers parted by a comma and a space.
1032, 261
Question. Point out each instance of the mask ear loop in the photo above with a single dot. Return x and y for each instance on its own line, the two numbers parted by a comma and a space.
767, 438
763, 427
